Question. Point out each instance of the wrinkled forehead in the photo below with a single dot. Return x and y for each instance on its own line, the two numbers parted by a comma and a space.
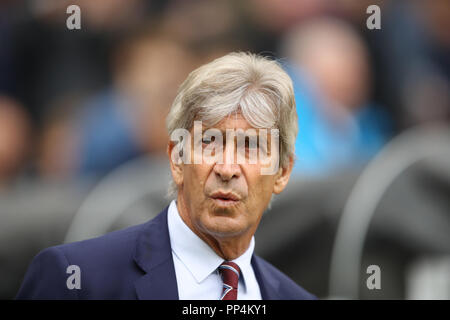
233, 121
231, 127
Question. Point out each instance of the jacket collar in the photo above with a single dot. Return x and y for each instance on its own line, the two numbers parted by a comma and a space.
153, 255
268, 285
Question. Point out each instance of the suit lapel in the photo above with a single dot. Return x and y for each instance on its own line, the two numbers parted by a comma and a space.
153, 255
268, 285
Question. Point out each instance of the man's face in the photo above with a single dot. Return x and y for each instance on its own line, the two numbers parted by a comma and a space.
226, 199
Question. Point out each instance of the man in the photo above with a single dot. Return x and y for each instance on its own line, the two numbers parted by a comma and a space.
201, 246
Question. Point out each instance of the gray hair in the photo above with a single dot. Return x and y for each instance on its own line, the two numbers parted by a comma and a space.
254, 85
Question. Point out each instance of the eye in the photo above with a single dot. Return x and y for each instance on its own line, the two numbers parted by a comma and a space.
208, 140
249, 145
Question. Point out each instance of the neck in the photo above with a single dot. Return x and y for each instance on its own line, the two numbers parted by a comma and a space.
227, 247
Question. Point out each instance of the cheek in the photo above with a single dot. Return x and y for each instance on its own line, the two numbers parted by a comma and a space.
260, 187
196, 176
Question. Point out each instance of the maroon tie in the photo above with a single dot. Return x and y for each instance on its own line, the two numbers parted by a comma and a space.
230, 276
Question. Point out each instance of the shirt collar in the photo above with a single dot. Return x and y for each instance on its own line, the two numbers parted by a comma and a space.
198, 257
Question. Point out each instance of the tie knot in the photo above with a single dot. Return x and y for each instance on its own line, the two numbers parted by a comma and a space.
230, 273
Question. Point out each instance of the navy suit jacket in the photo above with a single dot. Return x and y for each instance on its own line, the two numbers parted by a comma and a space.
133, 263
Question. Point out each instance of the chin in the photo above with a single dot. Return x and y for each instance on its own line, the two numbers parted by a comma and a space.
224, 226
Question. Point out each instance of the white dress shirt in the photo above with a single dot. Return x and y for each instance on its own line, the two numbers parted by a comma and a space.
196, 264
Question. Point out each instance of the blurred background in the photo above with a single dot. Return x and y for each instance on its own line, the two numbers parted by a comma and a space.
82, 130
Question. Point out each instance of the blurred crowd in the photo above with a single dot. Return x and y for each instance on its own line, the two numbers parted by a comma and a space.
81, 103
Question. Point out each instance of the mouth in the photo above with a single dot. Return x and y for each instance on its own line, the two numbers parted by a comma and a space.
225, 199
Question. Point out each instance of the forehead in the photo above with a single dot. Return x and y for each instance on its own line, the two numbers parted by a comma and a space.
233, 121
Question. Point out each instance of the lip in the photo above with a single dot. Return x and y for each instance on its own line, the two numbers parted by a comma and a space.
225, 196
224, 203
225, 199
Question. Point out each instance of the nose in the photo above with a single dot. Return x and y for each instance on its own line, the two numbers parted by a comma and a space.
229, 169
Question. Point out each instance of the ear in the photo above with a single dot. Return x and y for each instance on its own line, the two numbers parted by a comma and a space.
176, 165
282, 176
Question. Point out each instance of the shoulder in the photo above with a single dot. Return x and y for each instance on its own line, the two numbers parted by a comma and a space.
288, 289
100, 262
110, 256
116, 243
